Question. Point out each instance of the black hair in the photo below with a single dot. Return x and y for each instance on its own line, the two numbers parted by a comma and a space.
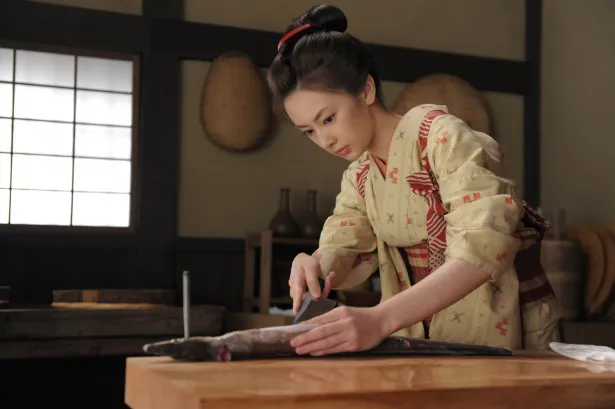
322, 56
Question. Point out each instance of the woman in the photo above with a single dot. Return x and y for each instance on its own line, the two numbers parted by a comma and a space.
422, 200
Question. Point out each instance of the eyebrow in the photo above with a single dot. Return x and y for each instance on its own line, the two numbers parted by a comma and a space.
318, 115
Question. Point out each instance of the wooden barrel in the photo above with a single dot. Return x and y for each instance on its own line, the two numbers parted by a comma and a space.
563, 263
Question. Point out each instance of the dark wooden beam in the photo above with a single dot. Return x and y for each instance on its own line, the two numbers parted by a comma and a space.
74, 237
158, 154
532, 101
485, 74
195, 41
158, 168
40, 23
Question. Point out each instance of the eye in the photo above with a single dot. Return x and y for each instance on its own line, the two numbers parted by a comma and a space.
308, 132
329, 119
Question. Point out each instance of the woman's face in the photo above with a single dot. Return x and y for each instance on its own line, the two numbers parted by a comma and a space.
339, 123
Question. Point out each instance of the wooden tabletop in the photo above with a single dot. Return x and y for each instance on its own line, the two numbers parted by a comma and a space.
445, 382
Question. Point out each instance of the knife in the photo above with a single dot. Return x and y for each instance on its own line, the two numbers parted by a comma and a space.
311, 308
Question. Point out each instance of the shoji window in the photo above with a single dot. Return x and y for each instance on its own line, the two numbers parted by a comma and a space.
66, 139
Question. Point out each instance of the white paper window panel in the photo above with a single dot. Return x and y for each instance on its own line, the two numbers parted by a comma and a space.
6, 100
104, 74
40, 207
4, 206
104, 108
44, 103
6, 64
49, 138
42, 172
35, 67
101, 209
5, 135
102, 175
103, 141
5, 170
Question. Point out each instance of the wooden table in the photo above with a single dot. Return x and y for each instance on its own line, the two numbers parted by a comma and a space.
452, 382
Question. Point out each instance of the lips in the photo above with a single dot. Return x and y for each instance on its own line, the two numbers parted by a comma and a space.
343, 152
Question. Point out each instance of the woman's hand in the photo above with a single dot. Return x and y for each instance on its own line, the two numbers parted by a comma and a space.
304, 274
344, 329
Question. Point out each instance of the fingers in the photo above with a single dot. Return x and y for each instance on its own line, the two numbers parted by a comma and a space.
297, 282
304, 272
328, 287
297, 285
297, 300
325, 318
320, 338
311, 277
323, 346
314, 335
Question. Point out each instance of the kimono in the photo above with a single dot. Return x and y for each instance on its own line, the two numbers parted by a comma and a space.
440, 197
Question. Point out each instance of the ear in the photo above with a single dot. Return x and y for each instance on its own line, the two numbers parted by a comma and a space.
369, 90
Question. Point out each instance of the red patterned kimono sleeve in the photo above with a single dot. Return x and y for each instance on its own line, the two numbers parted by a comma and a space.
483, 210
348, 231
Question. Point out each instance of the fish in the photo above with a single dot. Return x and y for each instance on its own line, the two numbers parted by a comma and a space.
274, 342
242, 344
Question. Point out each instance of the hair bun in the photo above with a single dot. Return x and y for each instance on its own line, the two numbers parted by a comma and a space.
329, 17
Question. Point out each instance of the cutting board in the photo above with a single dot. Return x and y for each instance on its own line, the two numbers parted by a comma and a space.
113, 298
462, 382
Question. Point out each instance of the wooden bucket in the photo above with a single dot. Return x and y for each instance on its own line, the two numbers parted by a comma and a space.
236, 111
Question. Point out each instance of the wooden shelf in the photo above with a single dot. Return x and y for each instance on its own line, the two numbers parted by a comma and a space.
264, 242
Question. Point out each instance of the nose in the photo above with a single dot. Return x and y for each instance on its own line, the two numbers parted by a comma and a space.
327, 140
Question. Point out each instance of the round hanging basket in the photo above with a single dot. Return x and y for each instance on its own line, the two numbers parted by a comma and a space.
458, 95
236, 112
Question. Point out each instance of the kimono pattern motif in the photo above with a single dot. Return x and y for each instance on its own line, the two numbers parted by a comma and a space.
440, 197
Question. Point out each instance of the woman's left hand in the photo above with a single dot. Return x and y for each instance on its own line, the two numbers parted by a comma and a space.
343, 329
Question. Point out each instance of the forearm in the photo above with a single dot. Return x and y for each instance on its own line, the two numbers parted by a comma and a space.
448, 284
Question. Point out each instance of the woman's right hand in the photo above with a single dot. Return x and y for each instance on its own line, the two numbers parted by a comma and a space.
304, 275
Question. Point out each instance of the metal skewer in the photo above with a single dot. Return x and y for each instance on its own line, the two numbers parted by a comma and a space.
186, 289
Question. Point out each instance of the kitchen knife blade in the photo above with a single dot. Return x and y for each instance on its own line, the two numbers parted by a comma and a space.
311, 308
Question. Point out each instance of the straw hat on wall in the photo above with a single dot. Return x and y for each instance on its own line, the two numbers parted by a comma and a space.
236, 112
458, 95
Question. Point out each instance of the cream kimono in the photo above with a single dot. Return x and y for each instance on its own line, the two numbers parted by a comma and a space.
382, 209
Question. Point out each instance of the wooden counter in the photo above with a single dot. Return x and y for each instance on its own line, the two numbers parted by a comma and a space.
450, 382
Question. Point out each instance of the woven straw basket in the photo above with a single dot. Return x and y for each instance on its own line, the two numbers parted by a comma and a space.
458, 95
236, 112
